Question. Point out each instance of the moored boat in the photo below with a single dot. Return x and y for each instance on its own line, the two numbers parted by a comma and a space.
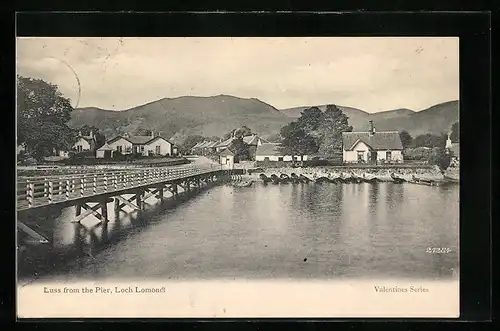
284, 178
294, 178
321, 180
304, 179
264, 178
398, 179
275, 179
369, 178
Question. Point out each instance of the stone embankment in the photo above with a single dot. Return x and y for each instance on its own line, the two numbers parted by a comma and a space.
382, 173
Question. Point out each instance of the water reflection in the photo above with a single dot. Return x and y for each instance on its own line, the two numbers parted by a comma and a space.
294, 230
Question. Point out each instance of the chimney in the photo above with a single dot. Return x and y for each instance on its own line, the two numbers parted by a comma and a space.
91, 134
372, 128
152, 134
79, 133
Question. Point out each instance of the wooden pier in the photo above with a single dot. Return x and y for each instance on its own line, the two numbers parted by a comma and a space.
91, 193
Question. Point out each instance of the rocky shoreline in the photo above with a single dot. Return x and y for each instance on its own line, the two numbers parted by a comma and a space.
382, 174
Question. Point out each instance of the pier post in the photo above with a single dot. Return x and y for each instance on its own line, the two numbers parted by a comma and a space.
78, 209
104, 211
138, 199
160, 193
117, 205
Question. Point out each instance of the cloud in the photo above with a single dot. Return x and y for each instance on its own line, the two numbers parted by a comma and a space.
373, 74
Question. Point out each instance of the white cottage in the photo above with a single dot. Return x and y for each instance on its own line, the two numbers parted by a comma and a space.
275, 153
85, 143
145, 145
372, 147
226, 159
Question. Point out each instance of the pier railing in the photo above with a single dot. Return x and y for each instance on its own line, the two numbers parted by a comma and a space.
43, 190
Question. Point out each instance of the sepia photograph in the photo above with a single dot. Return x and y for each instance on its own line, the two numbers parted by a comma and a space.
237, 177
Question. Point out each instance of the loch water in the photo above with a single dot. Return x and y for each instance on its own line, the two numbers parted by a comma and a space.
295, 231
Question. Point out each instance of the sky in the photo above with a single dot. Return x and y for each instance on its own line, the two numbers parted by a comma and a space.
372, 74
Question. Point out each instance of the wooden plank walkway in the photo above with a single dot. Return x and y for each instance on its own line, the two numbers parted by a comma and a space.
34, 192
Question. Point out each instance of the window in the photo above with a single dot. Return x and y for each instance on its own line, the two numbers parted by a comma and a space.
158, 150
79, 148
388, 155
361, 155
266, 159
119, 148
142, 148
280, 158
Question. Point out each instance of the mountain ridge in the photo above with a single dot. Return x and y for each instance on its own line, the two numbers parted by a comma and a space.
216, 115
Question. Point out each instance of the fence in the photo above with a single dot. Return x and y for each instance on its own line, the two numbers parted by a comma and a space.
34, 191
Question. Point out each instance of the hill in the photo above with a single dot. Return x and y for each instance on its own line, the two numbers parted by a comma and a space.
179, 117
176, 118
435, 119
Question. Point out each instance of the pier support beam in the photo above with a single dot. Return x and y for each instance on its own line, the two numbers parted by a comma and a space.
32, 233
122, 202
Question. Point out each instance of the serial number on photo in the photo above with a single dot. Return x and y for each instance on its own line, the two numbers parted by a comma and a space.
438, 250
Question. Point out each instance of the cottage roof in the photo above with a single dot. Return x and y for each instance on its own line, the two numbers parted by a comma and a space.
211, 144
156, 138
87, 138
226, 152
105, 147
138, 140
203, 144
225, 143
381, 140
198, 144
269, 149
251, 140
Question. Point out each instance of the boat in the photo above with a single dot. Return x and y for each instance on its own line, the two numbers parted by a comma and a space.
264, 178
369, 178
275, 179
321, 180
295, 178
356, 178
345, 177
452, 179
304, 179
452, 175
284, 178
424, 181
398, 179
246, 183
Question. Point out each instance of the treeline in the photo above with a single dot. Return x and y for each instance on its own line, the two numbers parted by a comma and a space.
316, 131
429, 140
43, 114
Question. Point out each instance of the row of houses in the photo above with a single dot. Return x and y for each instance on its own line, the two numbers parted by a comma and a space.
358, 147
148, 145
208, 147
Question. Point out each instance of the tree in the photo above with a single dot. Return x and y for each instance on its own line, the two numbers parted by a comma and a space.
296, 142
333, 124
429, 140
189, 142
406, 139
239, 132
439, 157
240, 149
455, 132
42, 117
310, 119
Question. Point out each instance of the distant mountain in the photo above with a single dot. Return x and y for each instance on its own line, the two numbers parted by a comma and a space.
435, 119
179, 117
176, 118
